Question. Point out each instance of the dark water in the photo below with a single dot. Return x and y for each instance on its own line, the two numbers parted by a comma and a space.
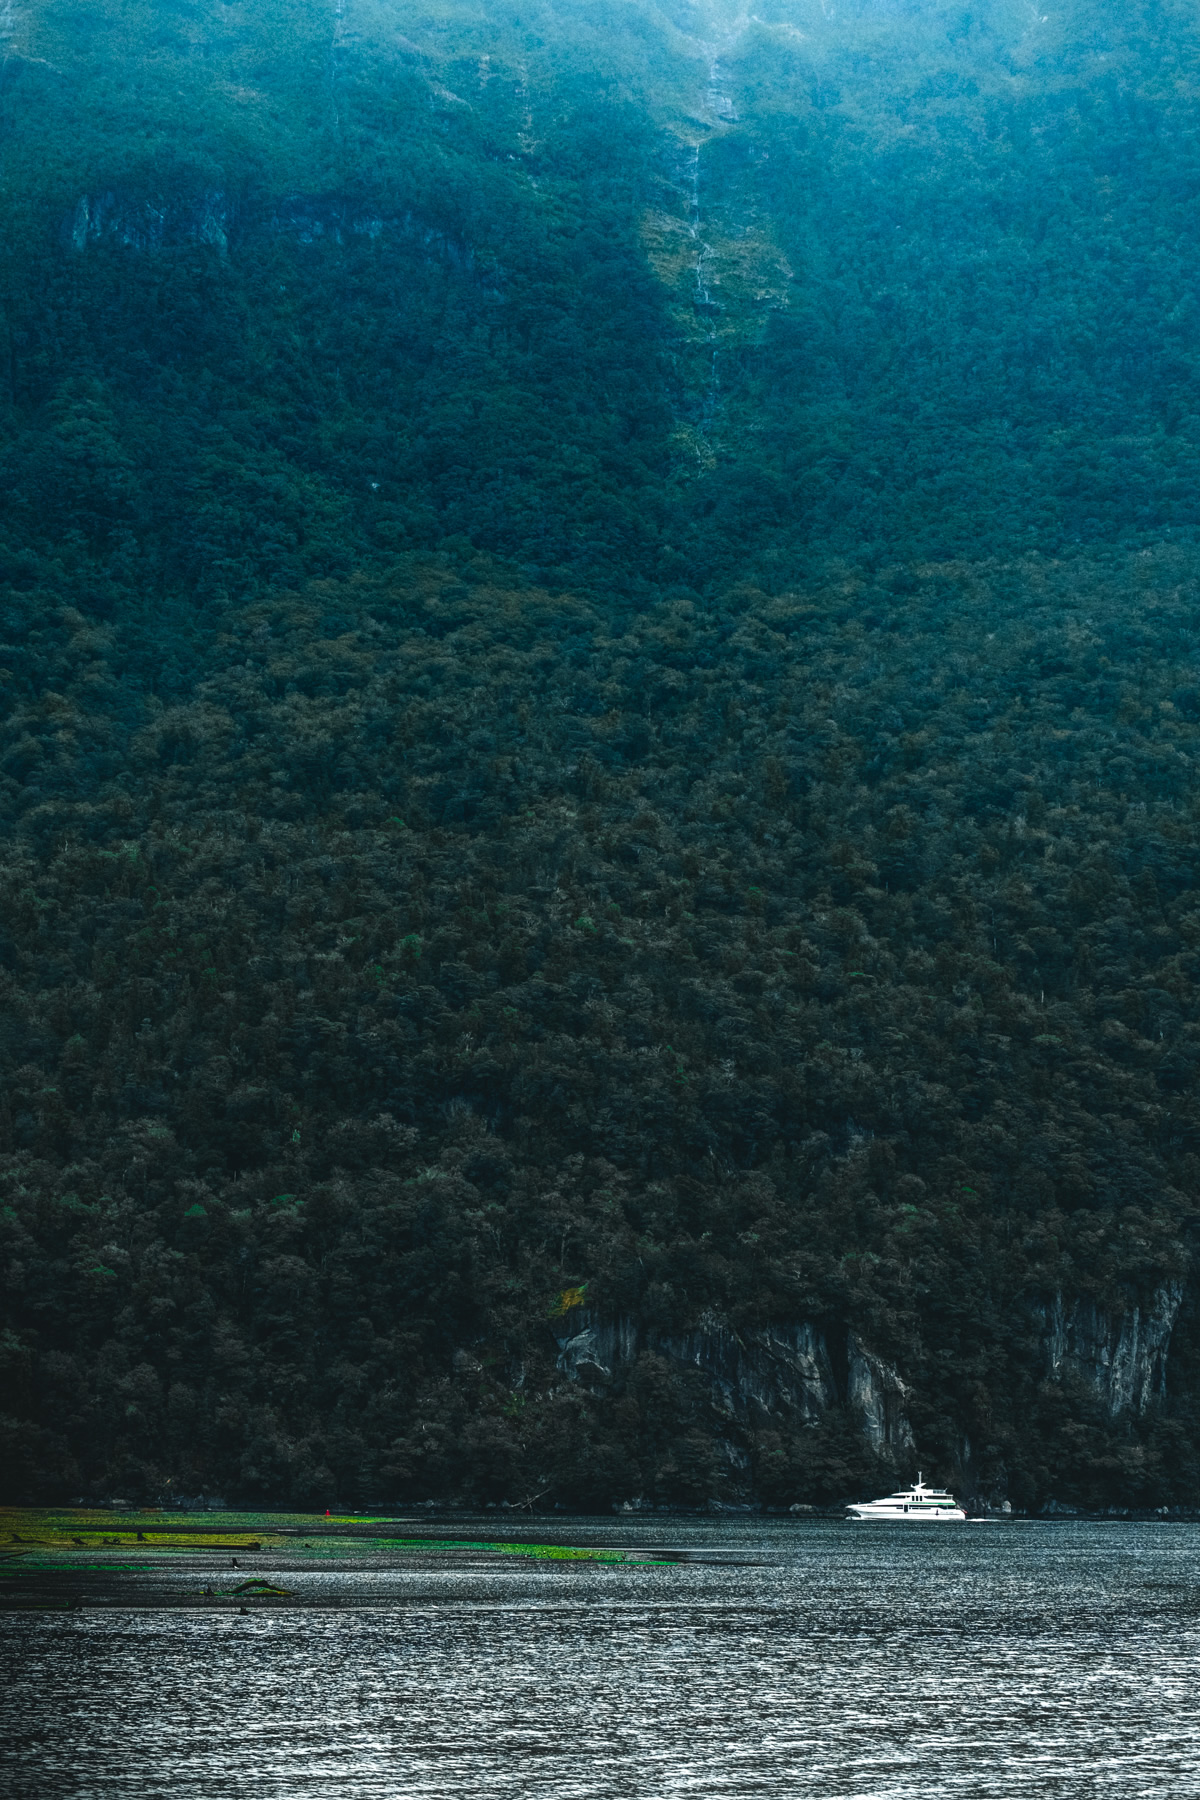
849, 1663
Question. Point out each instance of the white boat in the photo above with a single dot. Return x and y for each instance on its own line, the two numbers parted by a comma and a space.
933, 1505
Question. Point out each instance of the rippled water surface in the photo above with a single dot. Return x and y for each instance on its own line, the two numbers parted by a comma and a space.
846, 1661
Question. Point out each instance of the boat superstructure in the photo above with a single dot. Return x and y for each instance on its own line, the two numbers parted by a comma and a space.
917, 1503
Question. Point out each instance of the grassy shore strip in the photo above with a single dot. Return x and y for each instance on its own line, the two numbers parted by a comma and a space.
36, 1540
546, 1552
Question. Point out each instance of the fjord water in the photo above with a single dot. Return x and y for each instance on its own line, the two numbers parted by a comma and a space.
834, 1661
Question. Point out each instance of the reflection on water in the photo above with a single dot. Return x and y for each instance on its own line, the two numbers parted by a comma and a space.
848, 1661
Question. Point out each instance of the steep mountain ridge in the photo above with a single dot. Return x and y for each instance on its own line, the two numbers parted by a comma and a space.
598, 742
881, 307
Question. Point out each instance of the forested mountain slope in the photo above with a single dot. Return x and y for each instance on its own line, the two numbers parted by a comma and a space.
598, 763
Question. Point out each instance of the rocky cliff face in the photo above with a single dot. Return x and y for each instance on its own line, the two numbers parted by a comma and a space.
139, 222
1121, 1357
878, 1398
784, 1371
795, 1373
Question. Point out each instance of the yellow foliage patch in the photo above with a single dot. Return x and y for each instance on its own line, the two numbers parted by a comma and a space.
569, 1298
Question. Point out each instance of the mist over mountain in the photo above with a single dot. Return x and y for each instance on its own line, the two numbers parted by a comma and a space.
601, 899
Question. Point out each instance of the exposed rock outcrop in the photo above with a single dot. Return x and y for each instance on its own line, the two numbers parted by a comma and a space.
785, 1371
595, 1349
876, 1394
776, 1369
143, 224
310, 218
1122, 1357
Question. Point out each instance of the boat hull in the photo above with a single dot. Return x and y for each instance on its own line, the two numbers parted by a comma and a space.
918, 1516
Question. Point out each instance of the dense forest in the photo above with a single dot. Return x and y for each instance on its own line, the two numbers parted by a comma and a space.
601, 697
